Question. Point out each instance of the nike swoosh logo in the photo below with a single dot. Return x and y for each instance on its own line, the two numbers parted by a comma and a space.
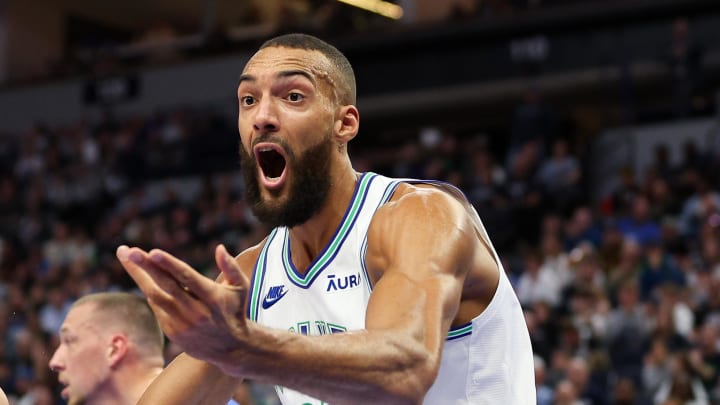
268, 302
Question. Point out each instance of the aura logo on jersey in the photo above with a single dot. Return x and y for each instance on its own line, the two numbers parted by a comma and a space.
342, 283
275, 293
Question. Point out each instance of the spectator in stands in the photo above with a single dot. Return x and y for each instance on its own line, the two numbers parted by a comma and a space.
663, 202
566, 394
638, 224
628, 332
524, 193
560, 175
698, 208
656, 366
627, 269
59, 249
111, 348
485, 187
620, 200
555, 260
610, 249
588, 276
625, 392
589, 384
537, 283
710, 254
683, 385
658, 269
589, 311
545, 394
704, 357
582, 229
54, 311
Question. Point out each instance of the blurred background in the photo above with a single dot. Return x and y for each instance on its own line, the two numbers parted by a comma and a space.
586, 134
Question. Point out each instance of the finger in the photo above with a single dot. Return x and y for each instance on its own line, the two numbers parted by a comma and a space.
230, 268
133, 259
184, 275
159, 288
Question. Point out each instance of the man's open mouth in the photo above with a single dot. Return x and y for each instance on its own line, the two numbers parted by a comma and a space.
272, 161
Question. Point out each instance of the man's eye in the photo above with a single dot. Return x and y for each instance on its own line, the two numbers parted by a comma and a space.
295, 97
247, 100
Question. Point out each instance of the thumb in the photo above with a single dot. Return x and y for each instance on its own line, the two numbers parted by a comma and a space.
229, 267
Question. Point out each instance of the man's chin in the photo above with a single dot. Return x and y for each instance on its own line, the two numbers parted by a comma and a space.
72, 400
274, 196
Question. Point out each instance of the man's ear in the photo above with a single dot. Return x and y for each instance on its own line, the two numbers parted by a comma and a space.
347, 124
117, 350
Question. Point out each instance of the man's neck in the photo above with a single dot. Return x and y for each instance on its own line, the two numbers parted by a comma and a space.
309, 239
129, 386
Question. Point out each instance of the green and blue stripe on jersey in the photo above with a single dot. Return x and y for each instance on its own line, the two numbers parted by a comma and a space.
259, 277
331, 250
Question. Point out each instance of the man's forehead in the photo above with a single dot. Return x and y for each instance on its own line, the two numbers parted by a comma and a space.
79, 317
276, 59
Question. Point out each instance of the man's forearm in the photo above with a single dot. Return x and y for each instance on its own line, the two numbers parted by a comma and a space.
190, 381
366, 366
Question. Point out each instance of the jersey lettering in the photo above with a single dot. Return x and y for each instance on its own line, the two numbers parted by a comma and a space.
342, 283
321, 328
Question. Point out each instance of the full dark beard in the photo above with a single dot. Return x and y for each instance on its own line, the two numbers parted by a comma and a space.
309, 186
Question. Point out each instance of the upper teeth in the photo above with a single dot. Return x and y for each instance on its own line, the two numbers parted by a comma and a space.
265, 149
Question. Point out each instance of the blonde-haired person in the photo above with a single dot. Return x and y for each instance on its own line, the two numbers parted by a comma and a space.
111, 348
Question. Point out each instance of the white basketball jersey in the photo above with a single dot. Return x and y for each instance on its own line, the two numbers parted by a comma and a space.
487, 361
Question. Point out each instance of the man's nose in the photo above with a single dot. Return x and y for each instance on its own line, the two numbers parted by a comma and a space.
266, 117
54, 362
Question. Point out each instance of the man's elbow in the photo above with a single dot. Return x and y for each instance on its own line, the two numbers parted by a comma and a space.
412, 385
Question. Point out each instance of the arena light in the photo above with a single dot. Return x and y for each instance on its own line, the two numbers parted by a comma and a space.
381, 7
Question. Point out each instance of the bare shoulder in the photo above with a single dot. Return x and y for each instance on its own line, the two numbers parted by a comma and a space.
423, 222
247, 259
425, 231
423, 204
424, 192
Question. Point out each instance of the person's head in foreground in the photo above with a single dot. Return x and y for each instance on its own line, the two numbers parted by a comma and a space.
304, 88
111, 348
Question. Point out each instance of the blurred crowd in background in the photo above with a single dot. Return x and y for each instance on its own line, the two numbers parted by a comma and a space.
622, 295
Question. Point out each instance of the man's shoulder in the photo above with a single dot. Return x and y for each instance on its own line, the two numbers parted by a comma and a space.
423, 195
426, 204
409, 189
248, 257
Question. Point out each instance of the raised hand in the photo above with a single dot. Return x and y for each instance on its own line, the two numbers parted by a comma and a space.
204, 317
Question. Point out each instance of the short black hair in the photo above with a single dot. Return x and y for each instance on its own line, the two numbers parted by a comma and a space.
346, 88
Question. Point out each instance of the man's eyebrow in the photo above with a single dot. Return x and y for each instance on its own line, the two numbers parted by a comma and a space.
296, 72
245, 77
